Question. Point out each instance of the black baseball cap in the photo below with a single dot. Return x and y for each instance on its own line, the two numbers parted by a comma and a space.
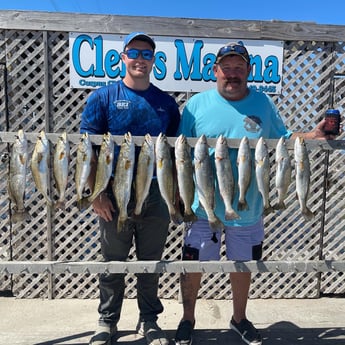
233, 48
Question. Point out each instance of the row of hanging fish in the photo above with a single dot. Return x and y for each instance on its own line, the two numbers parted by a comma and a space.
40, 169
39, 164
191, 174
197, 173
204, 176
283, 174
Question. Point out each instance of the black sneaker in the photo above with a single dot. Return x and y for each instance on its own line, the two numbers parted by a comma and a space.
103, 335
250, 335
184, 333
152, 332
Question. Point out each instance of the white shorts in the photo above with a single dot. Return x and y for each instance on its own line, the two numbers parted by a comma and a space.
242, 243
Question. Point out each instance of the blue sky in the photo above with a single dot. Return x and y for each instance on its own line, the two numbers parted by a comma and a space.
320, 12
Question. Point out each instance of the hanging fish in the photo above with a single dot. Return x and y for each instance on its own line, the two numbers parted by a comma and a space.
225, 176
283, 173
16, 183
144, 173
103, 171
83, 167
122, 184
204, 178
40, 166
165, 177
302, 166
244, 165
61, 168
262, 173
184, 172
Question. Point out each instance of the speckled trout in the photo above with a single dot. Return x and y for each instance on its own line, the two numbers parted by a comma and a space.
104, 168
225, 176
283, 173
165, 177
61, 168
302, 167
40, 166
262, 173
205, 183
185, 180
83, 167
122, 184
244, 165
144, 173
16, 183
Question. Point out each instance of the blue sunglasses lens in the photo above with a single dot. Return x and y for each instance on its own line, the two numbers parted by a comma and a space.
235, 48
147, 54
134, 54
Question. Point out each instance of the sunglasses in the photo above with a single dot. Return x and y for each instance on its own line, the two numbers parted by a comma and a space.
146, 54
233, 48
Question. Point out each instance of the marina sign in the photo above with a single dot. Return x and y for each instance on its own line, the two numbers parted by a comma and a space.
181, 63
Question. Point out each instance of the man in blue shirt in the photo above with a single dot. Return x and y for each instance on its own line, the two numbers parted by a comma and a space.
131, 105
234, 111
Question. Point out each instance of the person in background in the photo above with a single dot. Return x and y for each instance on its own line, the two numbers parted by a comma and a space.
234, 111
132, 105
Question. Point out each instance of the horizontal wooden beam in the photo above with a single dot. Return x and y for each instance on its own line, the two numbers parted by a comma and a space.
9, 137
88, 267
166, 26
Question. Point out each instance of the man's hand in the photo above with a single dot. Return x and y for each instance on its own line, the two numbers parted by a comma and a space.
103, 207
318, 133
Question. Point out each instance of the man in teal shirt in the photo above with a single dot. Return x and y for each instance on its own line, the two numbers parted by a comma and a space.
234, 111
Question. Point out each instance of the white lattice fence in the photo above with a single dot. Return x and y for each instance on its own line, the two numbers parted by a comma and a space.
40, 98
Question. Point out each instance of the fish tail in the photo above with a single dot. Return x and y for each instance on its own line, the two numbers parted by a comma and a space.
137, 211
175, 214
268, 209
137, 217
176, 217
48, 199
242, 205
83, 203
280, 205
216, 224
231, 214
307, 214
20, 216
190, 217
121, 224
60, 204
